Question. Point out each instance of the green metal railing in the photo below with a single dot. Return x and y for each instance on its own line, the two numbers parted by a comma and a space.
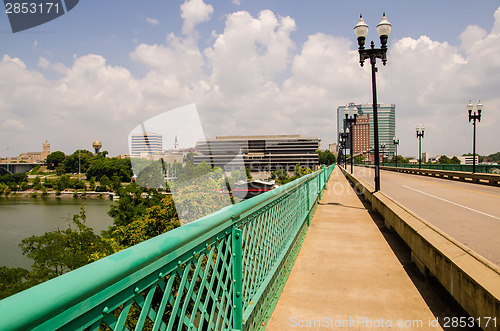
480, 168
224, 271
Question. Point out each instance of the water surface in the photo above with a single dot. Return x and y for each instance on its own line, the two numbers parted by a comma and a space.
24, 217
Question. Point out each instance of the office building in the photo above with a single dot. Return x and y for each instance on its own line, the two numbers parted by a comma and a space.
259, 153
146, 144
361, 138
386, 124
469, 159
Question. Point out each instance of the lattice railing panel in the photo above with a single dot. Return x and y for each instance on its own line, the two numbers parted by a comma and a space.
221, 272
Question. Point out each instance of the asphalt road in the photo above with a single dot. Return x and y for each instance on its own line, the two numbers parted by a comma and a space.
468, 212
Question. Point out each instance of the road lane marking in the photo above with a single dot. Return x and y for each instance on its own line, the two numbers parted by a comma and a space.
453, 203
458, 188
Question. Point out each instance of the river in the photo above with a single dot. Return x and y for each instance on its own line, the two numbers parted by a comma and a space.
24, 217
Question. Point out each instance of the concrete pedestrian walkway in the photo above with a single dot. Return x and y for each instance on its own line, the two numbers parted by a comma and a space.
346, 275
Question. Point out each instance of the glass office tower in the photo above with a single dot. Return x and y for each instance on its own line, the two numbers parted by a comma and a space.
386, 124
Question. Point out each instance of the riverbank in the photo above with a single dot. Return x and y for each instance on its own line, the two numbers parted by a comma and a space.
67, 194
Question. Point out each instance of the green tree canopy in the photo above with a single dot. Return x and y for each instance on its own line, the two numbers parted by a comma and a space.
455, 160
79, 160
60, 251
326, 157
495, 157
110, 167
54, 159
400, 159
444, 160
158, 219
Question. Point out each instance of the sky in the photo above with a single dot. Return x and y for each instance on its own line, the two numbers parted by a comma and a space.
250, 67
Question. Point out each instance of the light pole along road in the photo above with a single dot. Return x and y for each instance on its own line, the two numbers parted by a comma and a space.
467, 212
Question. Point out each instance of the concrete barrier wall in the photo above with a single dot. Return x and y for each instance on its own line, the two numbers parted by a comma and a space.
471, 279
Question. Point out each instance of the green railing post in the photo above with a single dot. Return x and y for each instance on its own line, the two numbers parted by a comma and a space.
308, 204
324, 177
237, 243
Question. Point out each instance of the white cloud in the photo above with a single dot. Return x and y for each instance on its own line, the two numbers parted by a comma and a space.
12, 125
152, 21
237, 2
253, 79
194, 12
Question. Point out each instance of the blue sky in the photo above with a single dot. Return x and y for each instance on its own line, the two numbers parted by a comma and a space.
252, 67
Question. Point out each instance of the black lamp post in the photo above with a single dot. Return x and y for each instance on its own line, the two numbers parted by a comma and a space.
474, 117
361, 31
382, 146
343, 140
420, 135
351, 121
396, 143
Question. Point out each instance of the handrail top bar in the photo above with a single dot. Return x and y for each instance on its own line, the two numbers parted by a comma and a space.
54, 296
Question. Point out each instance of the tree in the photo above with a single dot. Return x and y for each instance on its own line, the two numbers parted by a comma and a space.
60, 169
249, 175
400, 159
158, 219
110, 167
63, 183
494, 157
59, 251
13, 280
132, 204
280, 175
359, 159
444, 160
152, 176
189, 158
327, 158
80, 160
54, 159
455, 160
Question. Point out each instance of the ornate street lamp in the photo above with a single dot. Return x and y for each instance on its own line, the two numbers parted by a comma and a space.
396, 143
361, 31
382, 146
343, 140
351, 120
474, 117
420, 135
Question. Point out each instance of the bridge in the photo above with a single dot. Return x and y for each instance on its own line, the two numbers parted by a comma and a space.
322, 251
14, 168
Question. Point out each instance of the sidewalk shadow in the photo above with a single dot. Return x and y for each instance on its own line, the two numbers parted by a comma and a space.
339, 204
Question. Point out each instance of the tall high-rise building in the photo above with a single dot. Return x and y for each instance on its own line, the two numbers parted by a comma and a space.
361, 142
386, 124
146, 144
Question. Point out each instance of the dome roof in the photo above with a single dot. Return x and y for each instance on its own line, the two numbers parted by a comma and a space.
97, 144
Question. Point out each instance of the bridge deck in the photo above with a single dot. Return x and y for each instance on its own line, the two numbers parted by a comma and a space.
346, 274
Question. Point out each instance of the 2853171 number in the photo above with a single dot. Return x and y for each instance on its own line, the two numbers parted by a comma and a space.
462, 322
31, 8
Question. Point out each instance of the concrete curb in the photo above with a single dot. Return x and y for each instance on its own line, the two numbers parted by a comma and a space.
471, 279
